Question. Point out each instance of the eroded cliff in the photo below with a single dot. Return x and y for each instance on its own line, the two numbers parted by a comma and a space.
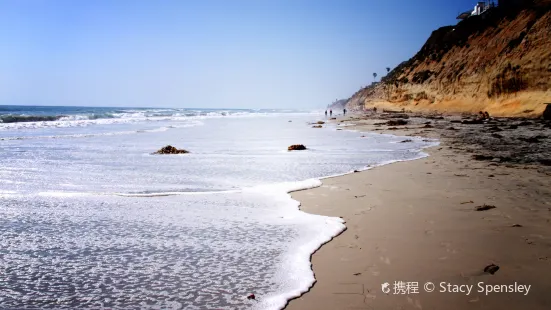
498, 62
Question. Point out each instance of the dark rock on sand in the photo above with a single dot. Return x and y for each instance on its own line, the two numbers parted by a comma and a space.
525, 123
484, 207
317, 126
407, 140
404, 116
516, 225
296, 147
482, 157
472, 121
398, 122
320, 122
428, 126
491, 269
547, 112
169, 149
534, 139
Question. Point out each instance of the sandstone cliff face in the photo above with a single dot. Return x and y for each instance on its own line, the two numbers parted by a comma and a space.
499, 62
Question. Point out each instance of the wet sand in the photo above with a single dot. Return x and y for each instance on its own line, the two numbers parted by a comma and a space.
416, 221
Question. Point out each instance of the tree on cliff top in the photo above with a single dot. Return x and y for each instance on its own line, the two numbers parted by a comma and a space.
375, 76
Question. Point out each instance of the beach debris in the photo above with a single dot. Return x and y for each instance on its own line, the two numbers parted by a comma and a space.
484, 207
465, 202
320, 122
296, 147
428, 126
356, 171
317, 126
460, 175
169, 149
358, 273
397, 122
451, 128
251, 296
491, 269
516, 225
405, 141
359, 196
339, 128
333, 118
290, 121
491, 176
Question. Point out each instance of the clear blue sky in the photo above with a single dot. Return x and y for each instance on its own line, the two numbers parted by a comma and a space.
212, 53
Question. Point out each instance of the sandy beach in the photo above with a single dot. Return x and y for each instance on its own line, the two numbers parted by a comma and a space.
417, 222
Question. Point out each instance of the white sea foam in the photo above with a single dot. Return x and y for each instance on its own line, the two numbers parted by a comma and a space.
198, 230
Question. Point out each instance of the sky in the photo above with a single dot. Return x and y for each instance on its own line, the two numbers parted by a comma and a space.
210, 54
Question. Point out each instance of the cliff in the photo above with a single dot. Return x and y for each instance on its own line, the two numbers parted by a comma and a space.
499, 62
338, 104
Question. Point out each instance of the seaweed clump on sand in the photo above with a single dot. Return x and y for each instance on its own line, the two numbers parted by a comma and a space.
296, 147
169, 149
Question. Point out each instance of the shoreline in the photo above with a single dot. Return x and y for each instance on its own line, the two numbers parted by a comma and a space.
415, 221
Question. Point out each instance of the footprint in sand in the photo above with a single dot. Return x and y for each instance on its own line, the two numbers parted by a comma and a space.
373, 270
385, 260
416, 303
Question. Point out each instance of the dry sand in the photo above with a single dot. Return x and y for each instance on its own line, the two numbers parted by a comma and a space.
416, 222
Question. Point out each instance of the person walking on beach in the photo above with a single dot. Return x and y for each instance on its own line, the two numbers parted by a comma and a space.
344, 112
325, 113
330, 112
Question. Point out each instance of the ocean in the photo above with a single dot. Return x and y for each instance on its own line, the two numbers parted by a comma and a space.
89, 218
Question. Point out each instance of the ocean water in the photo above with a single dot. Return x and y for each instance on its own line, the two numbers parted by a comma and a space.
90, 219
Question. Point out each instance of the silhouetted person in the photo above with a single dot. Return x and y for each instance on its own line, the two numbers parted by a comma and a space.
325, 113
344, 112
375, 109
330, 112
